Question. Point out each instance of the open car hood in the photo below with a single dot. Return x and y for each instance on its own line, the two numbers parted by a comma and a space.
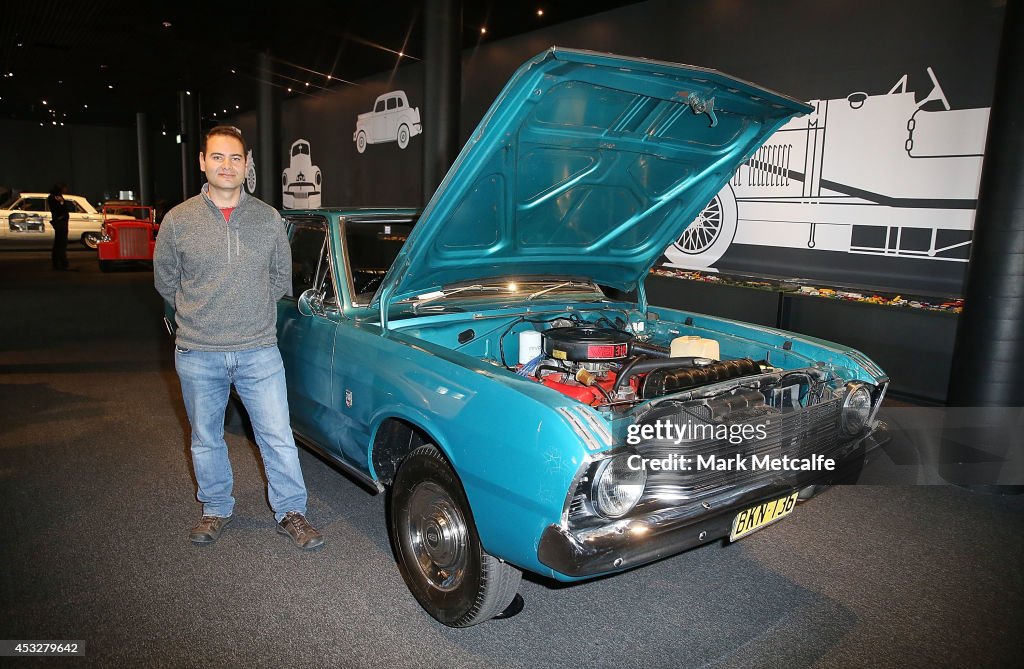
586, 165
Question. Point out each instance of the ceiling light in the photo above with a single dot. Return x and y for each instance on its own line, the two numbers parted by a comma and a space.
540, 12
307, 83
236, 106
86, 106
289, 90
44, 102
401, 55
62, 124
20, 44
329, 77
110, 85
483, 30
166, 24
232, 71
54, 122
188, 92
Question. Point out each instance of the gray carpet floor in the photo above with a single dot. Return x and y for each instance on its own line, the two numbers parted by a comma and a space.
96, 483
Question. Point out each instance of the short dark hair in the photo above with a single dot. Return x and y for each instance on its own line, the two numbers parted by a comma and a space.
226, 131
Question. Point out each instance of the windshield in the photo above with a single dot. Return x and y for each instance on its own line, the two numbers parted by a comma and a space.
514, 289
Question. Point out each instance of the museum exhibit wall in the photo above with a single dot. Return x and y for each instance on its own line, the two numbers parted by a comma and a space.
95, 161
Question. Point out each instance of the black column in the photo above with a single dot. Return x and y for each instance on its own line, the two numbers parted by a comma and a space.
145, 173
267, 152
988, 359
443, 62
191, 142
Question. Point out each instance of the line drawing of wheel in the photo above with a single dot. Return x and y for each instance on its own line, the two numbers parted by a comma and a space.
403, 136
90, 239
710, 234
437, 547
361, 142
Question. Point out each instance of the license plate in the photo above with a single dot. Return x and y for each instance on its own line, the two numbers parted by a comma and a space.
756, 517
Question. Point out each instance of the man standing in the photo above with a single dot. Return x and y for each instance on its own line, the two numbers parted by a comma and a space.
59, 217
222, 261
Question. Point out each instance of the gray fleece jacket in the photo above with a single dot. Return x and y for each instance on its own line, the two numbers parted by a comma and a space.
223, 278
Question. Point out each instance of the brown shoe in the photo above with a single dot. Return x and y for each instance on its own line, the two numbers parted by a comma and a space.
208, 529
302, 534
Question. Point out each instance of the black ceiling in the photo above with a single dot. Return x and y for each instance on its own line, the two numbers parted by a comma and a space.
101, 61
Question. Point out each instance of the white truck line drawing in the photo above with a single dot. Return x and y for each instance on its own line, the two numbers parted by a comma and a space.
392, 120
867, 174
301, 180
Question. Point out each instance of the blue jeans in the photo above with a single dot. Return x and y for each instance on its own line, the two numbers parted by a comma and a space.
258, 377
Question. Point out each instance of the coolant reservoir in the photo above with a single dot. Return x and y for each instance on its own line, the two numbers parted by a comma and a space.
692, 345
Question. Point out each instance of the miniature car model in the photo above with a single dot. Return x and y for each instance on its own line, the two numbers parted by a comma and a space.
392, 120
129, 234
495, 365
866, 174
301, 179
25, 222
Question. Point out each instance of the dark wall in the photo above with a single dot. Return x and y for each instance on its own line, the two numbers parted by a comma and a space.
95, 161
808, 49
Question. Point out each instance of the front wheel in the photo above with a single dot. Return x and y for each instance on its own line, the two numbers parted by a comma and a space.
437, 547
403, 136
91, 239
361, 141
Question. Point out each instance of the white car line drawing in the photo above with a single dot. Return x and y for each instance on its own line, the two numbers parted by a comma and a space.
869, 174
301, 179
250, 173
392, 120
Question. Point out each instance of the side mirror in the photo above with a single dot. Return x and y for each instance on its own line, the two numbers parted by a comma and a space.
311, 303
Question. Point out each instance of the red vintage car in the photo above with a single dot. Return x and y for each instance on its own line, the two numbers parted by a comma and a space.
129, 234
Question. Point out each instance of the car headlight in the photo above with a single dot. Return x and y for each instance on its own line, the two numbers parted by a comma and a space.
856, 408
617, 487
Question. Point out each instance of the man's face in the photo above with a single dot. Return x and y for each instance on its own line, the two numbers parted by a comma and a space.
223, 162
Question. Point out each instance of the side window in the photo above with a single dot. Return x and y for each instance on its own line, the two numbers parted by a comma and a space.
400, 103
379, 107
392, 103
73, 207
32, 204
310, 257
372, 247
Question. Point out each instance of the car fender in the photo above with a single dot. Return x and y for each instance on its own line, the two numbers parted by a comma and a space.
516, 455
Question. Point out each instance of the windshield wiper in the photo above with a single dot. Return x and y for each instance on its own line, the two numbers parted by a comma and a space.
430, 297
555, 287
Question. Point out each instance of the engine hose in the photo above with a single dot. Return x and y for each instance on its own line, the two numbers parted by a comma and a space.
642, 364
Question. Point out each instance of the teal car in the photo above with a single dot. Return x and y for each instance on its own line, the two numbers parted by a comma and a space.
492, 362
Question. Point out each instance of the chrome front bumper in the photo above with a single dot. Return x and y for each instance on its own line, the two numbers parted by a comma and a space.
635, 541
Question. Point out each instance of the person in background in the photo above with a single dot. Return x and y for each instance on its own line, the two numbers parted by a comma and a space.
222, 260
60, 213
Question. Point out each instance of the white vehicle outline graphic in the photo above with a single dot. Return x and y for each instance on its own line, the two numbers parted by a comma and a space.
392, 120
866, 174
301, 180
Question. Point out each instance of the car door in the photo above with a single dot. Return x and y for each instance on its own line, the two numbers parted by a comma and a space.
307, 342
27, 223
80, 220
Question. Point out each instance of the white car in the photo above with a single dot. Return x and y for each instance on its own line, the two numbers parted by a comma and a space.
301, 179
392, 120
25, 221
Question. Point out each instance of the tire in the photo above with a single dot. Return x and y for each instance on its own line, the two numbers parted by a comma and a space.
709, 235
361, 142
403, 136
437, 547
90, 239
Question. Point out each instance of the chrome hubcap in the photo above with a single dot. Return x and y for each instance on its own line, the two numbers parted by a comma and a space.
704, 230
438, 536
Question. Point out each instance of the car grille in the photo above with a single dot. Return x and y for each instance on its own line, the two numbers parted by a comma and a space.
133, 243
796, 434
